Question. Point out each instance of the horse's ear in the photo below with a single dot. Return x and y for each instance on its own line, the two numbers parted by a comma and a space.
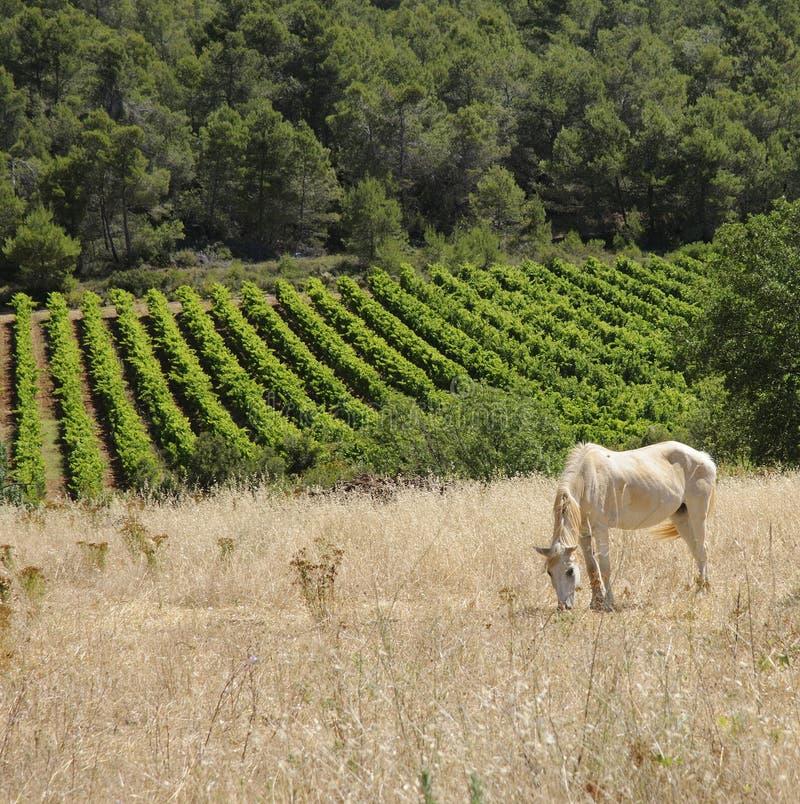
545, 551
570, 550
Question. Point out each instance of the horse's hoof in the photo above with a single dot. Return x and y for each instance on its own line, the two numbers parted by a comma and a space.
702, 585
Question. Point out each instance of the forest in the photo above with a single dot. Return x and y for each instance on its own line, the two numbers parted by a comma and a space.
135, 130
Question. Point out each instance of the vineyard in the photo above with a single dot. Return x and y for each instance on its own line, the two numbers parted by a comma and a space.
151, 393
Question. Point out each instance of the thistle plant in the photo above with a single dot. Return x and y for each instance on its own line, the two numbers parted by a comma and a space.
33, 584
94, 554
140, 541
226, 545
7, 556
316, 575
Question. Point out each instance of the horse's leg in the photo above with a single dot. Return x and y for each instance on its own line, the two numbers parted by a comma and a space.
604, 559
692, 528
592, 567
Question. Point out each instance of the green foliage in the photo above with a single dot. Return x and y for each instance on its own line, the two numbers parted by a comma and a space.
195, 385
441, 369
480, 432
12, 208
281, 384
396, 369
216, 460
320, 380
471, 372
143, 123
173, 429
370, 219
128, 436
481, 363
241, 390
85, 464
500, 201
44, 254
330, 347
29, 469
750, 332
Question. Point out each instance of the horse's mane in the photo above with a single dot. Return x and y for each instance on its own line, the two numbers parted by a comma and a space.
566, 510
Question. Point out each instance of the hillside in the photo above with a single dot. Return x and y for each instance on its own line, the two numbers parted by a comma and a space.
138, 131
465, 372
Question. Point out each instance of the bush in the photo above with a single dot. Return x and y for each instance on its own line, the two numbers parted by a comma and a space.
481, 432
217, 460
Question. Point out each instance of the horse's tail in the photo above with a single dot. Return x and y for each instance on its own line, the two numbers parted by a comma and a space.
666, 530
567, 518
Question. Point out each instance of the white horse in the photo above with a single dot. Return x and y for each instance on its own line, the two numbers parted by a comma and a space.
668, 485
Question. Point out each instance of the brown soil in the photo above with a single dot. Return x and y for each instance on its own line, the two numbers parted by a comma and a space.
48, 410
6, 382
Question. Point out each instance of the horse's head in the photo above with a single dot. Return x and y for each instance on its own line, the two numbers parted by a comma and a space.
564, 572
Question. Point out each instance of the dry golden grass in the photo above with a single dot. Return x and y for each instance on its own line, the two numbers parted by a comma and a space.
423, 659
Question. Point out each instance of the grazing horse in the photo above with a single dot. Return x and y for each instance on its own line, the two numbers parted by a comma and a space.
669, 485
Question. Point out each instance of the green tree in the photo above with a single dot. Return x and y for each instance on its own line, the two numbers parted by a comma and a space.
11, 207
222, 142
43, 253
107, 192
751, 333
12, 110
312, 189
499, 201
370, 219
263, 173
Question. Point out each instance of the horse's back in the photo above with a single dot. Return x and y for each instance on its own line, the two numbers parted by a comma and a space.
628, 488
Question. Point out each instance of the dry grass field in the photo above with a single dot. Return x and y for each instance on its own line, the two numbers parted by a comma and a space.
345, 648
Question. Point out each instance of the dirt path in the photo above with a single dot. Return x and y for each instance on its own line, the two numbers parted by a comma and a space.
6, 385
48, 410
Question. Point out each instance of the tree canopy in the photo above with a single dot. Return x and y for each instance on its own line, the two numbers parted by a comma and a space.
142, 124
751, 331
